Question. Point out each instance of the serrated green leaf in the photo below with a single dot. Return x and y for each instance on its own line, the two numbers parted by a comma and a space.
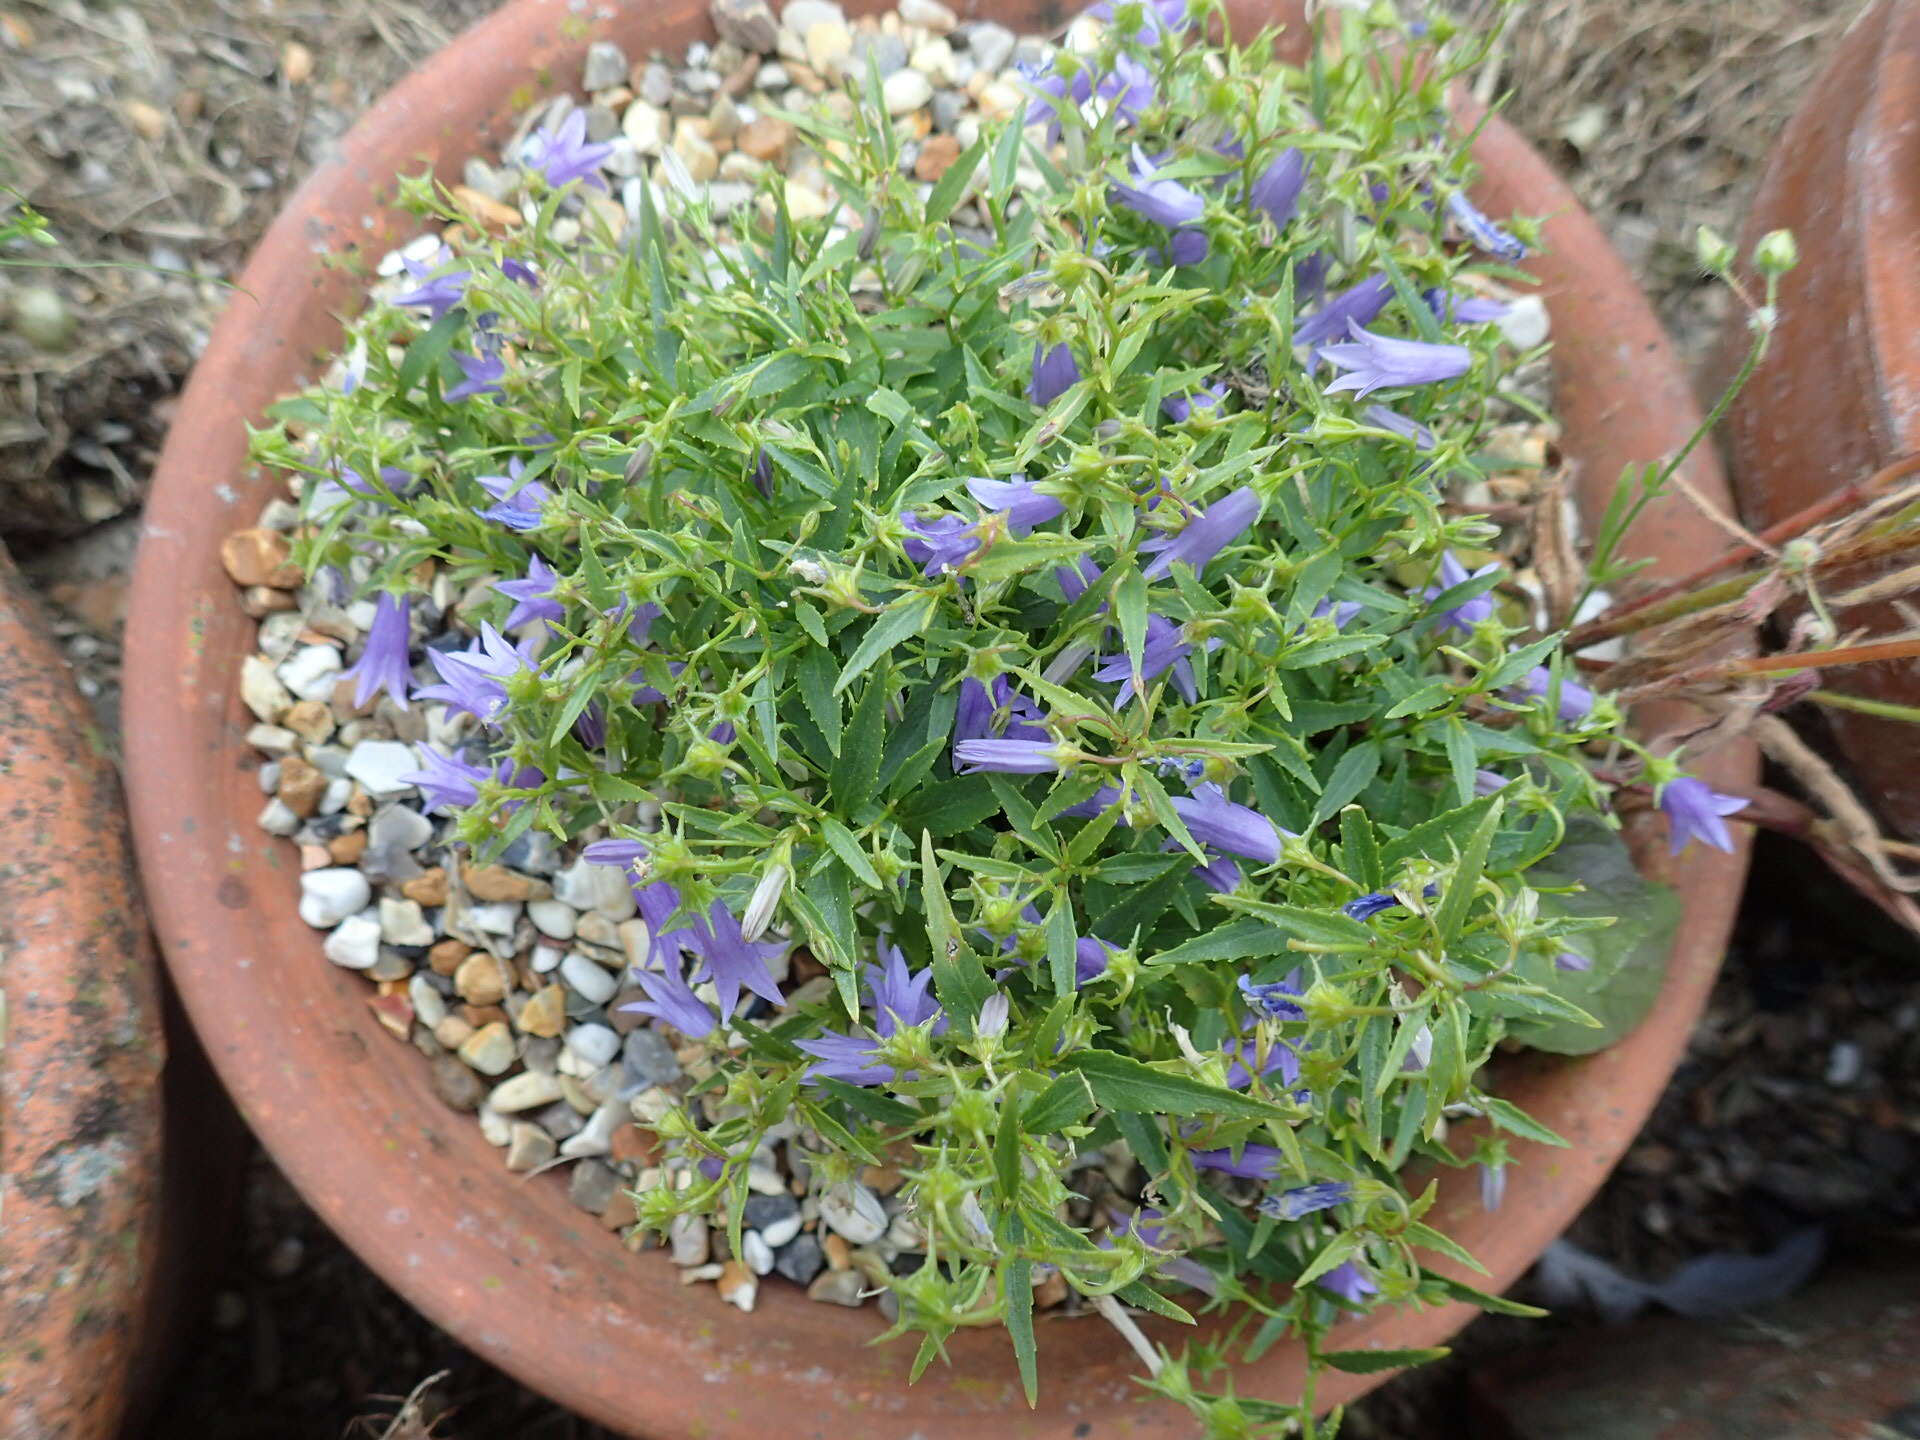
1017, 1285
857, 769
1236, 940
1451, 913
1122, 1083
1373, 1362
1067, 1101
815, 673
902, 618
840, 840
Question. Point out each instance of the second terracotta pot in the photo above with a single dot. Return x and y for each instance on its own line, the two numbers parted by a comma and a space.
504, 1262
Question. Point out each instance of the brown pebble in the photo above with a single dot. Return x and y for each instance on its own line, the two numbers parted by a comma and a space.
766, 138
737, 1285
301, 786
1050, 1293
348, 848
487, 210
881, 1178
259, 557
452, 1032
314, 857
458, 1086
446, 955
481, 1016
620, 1212
496, 882
642, 1147
428, 888
481, 979
309, 719
394, 1012
622, 1020
839, 1252
149, 120
296, 63
260, 601
360, 803
936, 158
545, 1014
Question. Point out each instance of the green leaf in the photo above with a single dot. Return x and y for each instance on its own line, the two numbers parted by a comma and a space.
1359, 853
1498, 1304
1352, 775
840, 840
946, 195
1462, 758
1236, 940
881, 1109
815, 672
857, 770
1006, 1151
902, 618
1437, 839
1017, 1282
1122, 1083
1451, 913
1067, 1101
963, 987
1130, 608
1143, 1296
1372, 1362
425, 351
1339, 1250
948, 807
1515, 1121
1062, 945
1313, 926
1148, 784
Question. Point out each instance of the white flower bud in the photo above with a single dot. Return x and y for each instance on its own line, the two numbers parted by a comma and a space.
811, 571
766, 898
991, 1023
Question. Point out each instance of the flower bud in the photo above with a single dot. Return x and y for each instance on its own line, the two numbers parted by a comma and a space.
1713, 250
991, 1023
640, 462
1776, 253
765, 900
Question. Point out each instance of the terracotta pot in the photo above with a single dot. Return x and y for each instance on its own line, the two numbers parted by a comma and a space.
81, 1051
507, 1265
1839, 395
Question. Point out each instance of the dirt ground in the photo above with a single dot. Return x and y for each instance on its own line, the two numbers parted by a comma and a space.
163, 134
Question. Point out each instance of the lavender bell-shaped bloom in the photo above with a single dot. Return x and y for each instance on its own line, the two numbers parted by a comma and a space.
1076, 578
1451, 309
1128, 88
946, 542
1349, 1282
436, 294
898, 999
1165, 650
1483, 232
1341, 612
1009, 757
1357, 304
383, 663
1156, 16
622, 853
1489, 782
1576, 700
563, 155
1696, 811
1381, 418
1214, 820
1219, 874
443, 782
671, 1001
1272, 1001
532, 596
484, 373
1368, 906
1244, 1059
520, 502
986, 712
1178, 408
1468, 613
1276, 190
1573, 961
1090, 958
1206, 534
733, 961
1377, 362
1305, 1200
1254, 1162
1144, 1225
1164, 202
1054, 373
520, 272
1021, 501
472, 679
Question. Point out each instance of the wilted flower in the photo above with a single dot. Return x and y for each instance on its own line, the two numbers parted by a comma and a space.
1054, 373
383, 663
763, 902
563, 155
991, 1022
1695, 811
1375, 362
532, 596
1205, 535
1482, 231
1305, 1200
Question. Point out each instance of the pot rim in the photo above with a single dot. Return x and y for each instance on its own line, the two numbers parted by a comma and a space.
510, 1268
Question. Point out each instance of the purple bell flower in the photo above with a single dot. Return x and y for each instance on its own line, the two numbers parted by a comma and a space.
1255, 1162
1157, 17
484, 373
1219, 874
1349, 1282
472, 679
1381, 418
1463, 309
532, 596
671, 1001
1377, 362
1357, 304
733, 961
1179, 408
897, 998
1469, 613
989, 712
1054, 373
1076, 578
1205, 535
520, 501
1483, 232
383, 663
1576, 700
1276, 190
1165, 650
1368, 906
1019, 500
443, 782
563, 155
623, 853
1696, 811
1164, 202
1341, 611
1008, 757
1572, 961
1090, 958
1273, 1001
436, 294
1214, 820
1244, 1055
521, 272
946, 542
1305, 1200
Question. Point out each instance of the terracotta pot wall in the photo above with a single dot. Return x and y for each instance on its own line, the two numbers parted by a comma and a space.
507, 1265
1839, 396
80, 1058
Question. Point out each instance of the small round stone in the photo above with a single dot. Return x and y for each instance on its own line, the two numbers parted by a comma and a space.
906, 91
553, 918
589, 981
456, 1084
329, 896
354, 944
489, 1049
526, 1091
855, 1212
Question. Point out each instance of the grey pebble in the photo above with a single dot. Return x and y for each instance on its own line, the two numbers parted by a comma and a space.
800, 1260
561, 1120
456, 1085
991, 45
647, 1060
528, 1147
606, 67
593, 1186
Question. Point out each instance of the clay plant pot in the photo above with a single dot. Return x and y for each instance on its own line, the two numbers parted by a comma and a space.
81, 1052
1838, 398
507, 1265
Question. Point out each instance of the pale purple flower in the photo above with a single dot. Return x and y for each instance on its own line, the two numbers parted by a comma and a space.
436, 294
846, 1058
1342, 612
1144, 1225
1357, 304
1368, 906
1493, 1184
1488, 782
1276, 190
1219, 874
1103, 799
1254, 1162
445, 783
1449, 308
987, 712
1214, 820
1008, 757
1075, 578
623, 853
1244, 1056
1164, 202
1572, 960
483, 372
946, 542
472, 679
1054, 373
1305, 1200
532, 596
1468, 613
1157, 16
897, 999
1024, 505
521, 271
383, 663
732, 961
1181, 407
1377, 362
671, 1000
1576, 700
1483, 232
1272, 1001
355, 373
1381, 418
1696, 811
1349, 1282
657, 903
520, 501
1165, 650
1206, 534
1128, 88
563, 154
1186, 246
1090, 958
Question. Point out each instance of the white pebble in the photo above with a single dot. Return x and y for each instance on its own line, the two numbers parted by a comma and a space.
1525, 323
355, 944
928, 15
781, 1231
329, 896
595, 1044
269, 777
1844, 1064
905, 91
429, 1005
524, 1091
854, 1212
261, 689
546, 959
553, 918
395, 827
311, 671
496, 918
756, 1252
277, 819
596, 1136
588, 980
379, 764
402, 923
495, 1128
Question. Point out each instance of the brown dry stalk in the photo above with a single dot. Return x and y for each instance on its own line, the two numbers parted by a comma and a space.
1843, 807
